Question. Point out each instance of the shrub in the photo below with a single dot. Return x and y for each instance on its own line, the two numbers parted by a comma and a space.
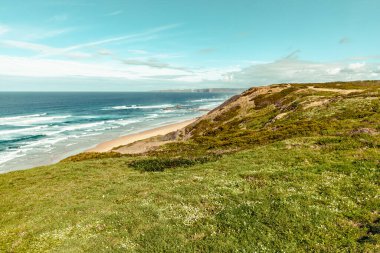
264, 100
160, 164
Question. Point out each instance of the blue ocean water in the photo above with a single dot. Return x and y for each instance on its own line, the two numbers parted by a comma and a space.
42, 128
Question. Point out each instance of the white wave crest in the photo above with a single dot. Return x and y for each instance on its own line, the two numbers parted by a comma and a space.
205, 100
81, 126
132, 107
30, 120
22, 131
10, 155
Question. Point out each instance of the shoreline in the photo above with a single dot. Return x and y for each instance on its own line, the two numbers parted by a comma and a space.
107, 146
131, 138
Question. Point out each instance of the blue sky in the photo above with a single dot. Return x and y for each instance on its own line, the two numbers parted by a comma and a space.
155, 44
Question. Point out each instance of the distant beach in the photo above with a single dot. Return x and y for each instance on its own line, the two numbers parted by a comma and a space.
131, 138
43, 128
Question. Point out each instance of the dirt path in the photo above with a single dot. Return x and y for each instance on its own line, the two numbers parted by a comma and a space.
341, 91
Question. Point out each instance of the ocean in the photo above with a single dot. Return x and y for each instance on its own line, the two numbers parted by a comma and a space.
43, 128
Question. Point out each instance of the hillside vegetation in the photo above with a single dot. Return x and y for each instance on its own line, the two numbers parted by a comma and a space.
283, 168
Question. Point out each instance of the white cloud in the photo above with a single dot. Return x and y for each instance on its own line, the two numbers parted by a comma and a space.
137, 51
104, 52
153, 71
33, 67
133, 37
3, 29
356, 66
295, 70
333, 71
209, 75
39, 48
44, 34
281, 71
79, 55
142, 35
365, 58
145, 65
47, 51
33, 33
151, 62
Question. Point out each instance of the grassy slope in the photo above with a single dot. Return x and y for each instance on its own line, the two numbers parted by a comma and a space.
308, 181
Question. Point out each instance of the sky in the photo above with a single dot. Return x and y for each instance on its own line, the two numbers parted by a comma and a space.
139, 45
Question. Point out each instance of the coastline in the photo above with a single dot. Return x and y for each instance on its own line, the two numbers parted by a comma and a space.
131, 138
38, 134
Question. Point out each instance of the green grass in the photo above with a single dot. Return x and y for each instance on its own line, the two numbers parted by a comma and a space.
308, 182
272, 198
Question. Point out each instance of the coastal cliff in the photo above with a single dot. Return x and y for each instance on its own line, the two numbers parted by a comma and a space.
287, 167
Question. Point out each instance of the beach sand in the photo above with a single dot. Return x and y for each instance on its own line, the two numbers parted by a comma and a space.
131, 138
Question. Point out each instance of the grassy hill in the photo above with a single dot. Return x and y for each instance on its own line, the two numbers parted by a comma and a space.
283, 168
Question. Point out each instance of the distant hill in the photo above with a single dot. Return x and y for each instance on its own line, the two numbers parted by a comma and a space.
289, 109
210, 90
281, 168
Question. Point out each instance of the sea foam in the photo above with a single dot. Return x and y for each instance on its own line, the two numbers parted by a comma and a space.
134, 107
37, 129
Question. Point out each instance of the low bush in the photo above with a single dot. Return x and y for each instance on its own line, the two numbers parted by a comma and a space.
262, 101
160, 164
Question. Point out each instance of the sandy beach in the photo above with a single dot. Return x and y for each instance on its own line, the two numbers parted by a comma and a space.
131, 138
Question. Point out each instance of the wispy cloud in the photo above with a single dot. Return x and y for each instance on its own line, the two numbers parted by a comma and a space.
39, 48
146, 67
104, 52
33, 33
365, 58
79, 55
3, 29
137, 51
59, 18
45, 51
148, 35
44, 34
129, 70
114, 13
26, 67
152, 63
